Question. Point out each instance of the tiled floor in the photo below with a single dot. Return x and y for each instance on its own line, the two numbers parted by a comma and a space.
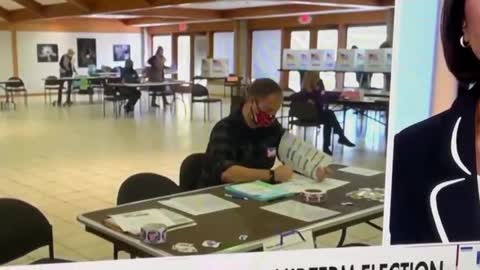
72, 160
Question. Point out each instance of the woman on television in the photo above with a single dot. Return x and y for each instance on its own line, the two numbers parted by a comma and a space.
435, 183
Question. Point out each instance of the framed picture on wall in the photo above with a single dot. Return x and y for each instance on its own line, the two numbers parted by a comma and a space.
47, 53
121, 52
87, 52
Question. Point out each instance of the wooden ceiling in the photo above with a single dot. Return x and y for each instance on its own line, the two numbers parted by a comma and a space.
164, 12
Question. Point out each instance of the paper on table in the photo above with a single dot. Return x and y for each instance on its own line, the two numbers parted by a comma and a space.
300, 183
301, 156
300, 211
199, 204
133, 222
360, 171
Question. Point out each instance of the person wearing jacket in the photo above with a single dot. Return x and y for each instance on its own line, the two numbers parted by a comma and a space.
156, 73
313, 90
130, 75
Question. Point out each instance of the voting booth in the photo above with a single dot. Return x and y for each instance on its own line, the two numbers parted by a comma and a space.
378, 60
350, 60
322, 60
214, 67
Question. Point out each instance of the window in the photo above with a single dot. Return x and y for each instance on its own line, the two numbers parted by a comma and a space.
166, 43
184, 58
328, 39
223, 48
300, 40
266, 54
201, 51
366, 37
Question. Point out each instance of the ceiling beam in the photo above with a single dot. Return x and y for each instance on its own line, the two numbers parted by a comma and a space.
53, 11
32, 5
185, 13
80, 4
149, 21
276, 11
345, 3
4, 14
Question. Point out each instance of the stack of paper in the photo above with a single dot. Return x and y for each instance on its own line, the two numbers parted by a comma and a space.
301, 183
199, 204
133, 222
258, 190
301, 156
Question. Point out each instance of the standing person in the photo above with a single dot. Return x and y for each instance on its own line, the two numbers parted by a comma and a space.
435, 195
66, 71
313, 89
363, 78
387, 76
130, 75
157, 74
243, 147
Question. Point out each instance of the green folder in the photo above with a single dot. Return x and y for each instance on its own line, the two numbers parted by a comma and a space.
258, 191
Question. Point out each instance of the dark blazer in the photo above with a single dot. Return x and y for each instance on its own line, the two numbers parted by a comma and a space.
435, 190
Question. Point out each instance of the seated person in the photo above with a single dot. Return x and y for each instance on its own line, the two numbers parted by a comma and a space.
129, 75
243, 147
313, 89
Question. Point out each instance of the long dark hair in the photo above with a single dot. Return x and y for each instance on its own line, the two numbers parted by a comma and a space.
160, 48
462, 62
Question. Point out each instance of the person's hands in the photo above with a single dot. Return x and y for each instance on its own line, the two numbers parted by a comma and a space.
283, 173
323, 173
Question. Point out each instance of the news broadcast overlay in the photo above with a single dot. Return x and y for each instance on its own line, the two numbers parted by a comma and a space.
440, 257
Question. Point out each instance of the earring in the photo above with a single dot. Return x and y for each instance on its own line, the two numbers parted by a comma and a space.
463, 43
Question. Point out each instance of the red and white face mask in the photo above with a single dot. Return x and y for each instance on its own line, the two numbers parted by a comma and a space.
261, 118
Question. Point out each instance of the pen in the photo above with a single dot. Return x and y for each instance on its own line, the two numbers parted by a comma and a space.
236, 197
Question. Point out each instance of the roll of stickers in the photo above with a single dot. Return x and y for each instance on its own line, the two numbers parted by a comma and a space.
185, 248
313, 196
153, 234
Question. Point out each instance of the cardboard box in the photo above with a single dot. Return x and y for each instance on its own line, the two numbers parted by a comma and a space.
322, 60
215, 67
379, 60
351, 60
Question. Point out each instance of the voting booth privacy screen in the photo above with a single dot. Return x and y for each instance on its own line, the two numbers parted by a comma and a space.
354, 60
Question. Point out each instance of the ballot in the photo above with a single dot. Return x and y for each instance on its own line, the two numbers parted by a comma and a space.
302, 156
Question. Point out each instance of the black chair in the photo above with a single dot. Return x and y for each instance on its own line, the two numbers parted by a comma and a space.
287, 100
111, 94
190, 171
97, 85
14, 88
51, 85
76, 85
305, 114
200, 95
139, 187
24, 229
